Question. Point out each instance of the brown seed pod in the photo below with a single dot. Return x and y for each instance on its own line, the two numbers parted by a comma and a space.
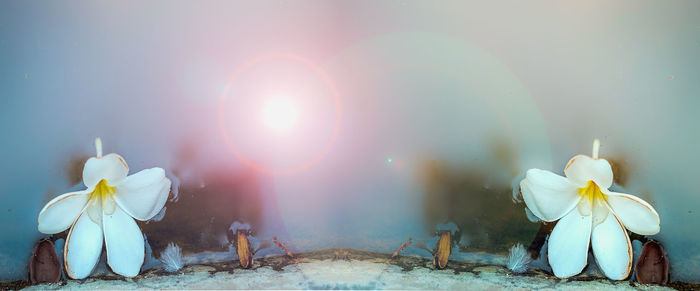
652, 266
44, 266
443, 250
243, 248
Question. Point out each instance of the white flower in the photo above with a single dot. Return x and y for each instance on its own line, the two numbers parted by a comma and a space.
589, 214
105, 209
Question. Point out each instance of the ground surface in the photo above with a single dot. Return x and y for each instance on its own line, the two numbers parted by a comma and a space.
359, 270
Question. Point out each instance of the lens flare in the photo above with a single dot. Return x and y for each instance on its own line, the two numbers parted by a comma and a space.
279, 114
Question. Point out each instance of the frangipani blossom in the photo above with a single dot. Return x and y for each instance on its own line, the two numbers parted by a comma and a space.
105, 211
589, 215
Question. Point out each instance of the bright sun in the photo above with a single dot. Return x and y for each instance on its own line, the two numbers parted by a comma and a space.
279, 114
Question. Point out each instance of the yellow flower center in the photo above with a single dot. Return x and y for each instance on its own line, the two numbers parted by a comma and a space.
596, 205
102, 190
592, 192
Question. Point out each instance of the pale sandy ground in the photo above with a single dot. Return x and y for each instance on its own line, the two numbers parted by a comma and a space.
339, 274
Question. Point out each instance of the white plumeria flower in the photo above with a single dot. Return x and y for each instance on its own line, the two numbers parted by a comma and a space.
589, 214
105, 209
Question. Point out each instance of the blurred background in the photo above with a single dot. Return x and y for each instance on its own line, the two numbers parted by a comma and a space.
353, 124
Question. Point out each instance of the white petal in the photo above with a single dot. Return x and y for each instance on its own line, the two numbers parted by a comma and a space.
582, 169
83, 247
111, 167
124, 242
61, 212
548, 195
600, 212
612, 248
585, 207
568, 244
108, 206
142, 195
634, 213
94, 210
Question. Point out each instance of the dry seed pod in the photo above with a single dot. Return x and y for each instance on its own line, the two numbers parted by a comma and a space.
44, 266
245, 254
443, 250
652, 266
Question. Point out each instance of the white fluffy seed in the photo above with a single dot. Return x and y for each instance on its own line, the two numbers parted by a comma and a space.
171, 258
518, 259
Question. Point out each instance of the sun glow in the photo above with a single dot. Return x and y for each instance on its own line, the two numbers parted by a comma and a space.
279, 114
278, 133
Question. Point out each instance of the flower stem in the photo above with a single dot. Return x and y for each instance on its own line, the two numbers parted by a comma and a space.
596, 148
98, 147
